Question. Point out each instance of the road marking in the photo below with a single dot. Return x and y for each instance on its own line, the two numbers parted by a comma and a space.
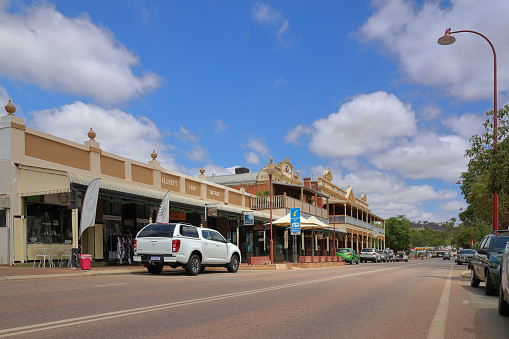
117, 314
110, 285
437, 328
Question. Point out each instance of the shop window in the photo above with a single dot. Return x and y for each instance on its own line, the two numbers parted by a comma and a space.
3, 221
48, 223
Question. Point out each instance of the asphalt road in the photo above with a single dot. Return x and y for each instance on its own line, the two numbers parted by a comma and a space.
418, 299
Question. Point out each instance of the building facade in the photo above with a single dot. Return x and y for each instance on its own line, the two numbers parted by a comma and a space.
44, 179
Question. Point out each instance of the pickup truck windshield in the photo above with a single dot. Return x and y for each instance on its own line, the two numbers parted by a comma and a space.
157, 230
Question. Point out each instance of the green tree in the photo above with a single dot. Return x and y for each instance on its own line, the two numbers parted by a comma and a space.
487, 171
398, 233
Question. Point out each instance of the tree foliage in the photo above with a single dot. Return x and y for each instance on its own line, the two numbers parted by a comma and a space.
398, 233
488, 173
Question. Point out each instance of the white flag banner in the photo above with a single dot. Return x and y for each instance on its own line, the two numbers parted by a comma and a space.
163, 215
89, 205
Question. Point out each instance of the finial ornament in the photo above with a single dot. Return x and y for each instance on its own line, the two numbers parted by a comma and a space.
154, 155
10, 108
202, 170
91, 134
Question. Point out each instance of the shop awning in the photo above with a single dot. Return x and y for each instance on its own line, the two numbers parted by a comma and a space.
39, 181
175, 198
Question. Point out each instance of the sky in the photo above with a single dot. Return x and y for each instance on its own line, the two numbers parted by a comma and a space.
359, 87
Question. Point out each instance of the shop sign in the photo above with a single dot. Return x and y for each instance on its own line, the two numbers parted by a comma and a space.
212, 211
175, 215
170, 182
248, 218
112, 217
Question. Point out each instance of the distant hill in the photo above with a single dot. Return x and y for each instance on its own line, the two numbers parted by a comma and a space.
420, 225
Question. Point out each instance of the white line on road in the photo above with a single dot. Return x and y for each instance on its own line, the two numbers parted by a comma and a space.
110, 285
437, 328
117, 314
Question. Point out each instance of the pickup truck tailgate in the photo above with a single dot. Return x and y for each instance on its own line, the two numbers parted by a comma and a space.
155, 245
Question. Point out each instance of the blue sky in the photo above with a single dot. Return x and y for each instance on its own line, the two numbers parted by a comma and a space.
359, 87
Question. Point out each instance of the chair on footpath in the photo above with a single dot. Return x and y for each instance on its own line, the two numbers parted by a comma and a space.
53, 251
65, 254
41, 252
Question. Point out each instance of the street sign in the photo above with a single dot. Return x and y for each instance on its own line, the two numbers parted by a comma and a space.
295, 221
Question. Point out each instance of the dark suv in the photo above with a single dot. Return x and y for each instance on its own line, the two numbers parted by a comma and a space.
486, 261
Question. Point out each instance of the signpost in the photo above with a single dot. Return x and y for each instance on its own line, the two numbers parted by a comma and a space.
295, 229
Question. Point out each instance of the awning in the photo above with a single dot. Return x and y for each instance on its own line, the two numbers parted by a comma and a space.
175, 198
40, 181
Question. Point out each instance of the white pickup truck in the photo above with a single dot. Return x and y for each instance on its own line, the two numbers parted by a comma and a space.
181, 244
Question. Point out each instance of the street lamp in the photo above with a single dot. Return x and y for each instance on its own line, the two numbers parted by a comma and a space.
271, 168
448, 39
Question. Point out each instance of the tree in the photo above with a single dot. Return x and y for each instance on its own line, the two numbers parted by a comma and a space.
487, 170
398, 233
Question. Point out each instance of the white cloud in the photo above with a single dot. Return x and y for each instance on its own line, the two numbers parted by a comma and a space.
465, 69
252, 158
71, 55
259, 146
466, 125
297, 133
219, 126
280, 82
267, 16
117, 132
427, 156
185, 135
366, 124
387, 195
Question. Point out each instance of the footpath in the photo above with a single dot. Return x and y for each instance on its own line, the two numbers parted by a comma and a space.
26, 271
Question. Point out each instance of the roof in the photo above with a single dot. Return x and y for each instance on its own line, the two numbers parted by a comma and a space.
234, 179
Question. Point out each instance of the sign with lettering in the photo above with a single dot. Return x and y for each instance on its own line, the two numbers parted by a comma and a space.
170, 182
215, 193
192, 187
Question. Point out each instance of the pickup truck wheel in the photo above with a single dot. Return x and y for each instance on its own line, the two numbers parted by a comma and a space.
474, 281
193, 266
489, 289
155, 269
233, 266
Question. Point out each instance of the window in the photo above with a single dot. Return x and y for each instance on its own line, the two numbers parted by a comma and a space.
3, 220
206, 235
157, 230
189, 231
48, 223
217, 237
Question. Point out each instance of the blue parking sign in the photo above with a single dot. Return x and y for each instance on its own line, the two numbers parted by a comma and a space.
295, 221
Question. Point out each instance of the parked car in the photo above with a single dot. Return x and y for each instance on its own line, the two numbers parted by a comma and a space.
383, 255
465, 256
390, 255
348, 254
401, 256
447, 256
485, 262
503, 294
182, 244
369, 254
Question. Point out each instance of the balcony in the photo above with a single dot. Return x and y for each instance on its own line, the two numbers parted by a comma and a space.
345, 219
285, 202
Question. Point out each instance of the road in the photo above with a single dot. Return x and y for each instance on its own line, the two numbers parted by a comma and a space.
418, 299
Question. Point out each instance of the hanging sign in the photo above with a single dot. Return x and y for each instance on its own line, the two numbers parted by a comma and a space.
248, 218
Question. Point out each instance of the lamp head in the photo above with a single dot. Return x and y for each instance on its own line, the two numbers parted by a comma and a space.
447, 39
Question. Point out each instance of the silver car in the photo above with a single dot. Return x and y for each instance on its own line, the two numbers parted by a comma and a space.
465, 256
370, 254
503, 295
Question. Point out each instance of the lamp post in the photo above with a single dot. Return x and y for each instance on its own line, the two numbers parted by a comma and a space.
448, 39
271, 168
